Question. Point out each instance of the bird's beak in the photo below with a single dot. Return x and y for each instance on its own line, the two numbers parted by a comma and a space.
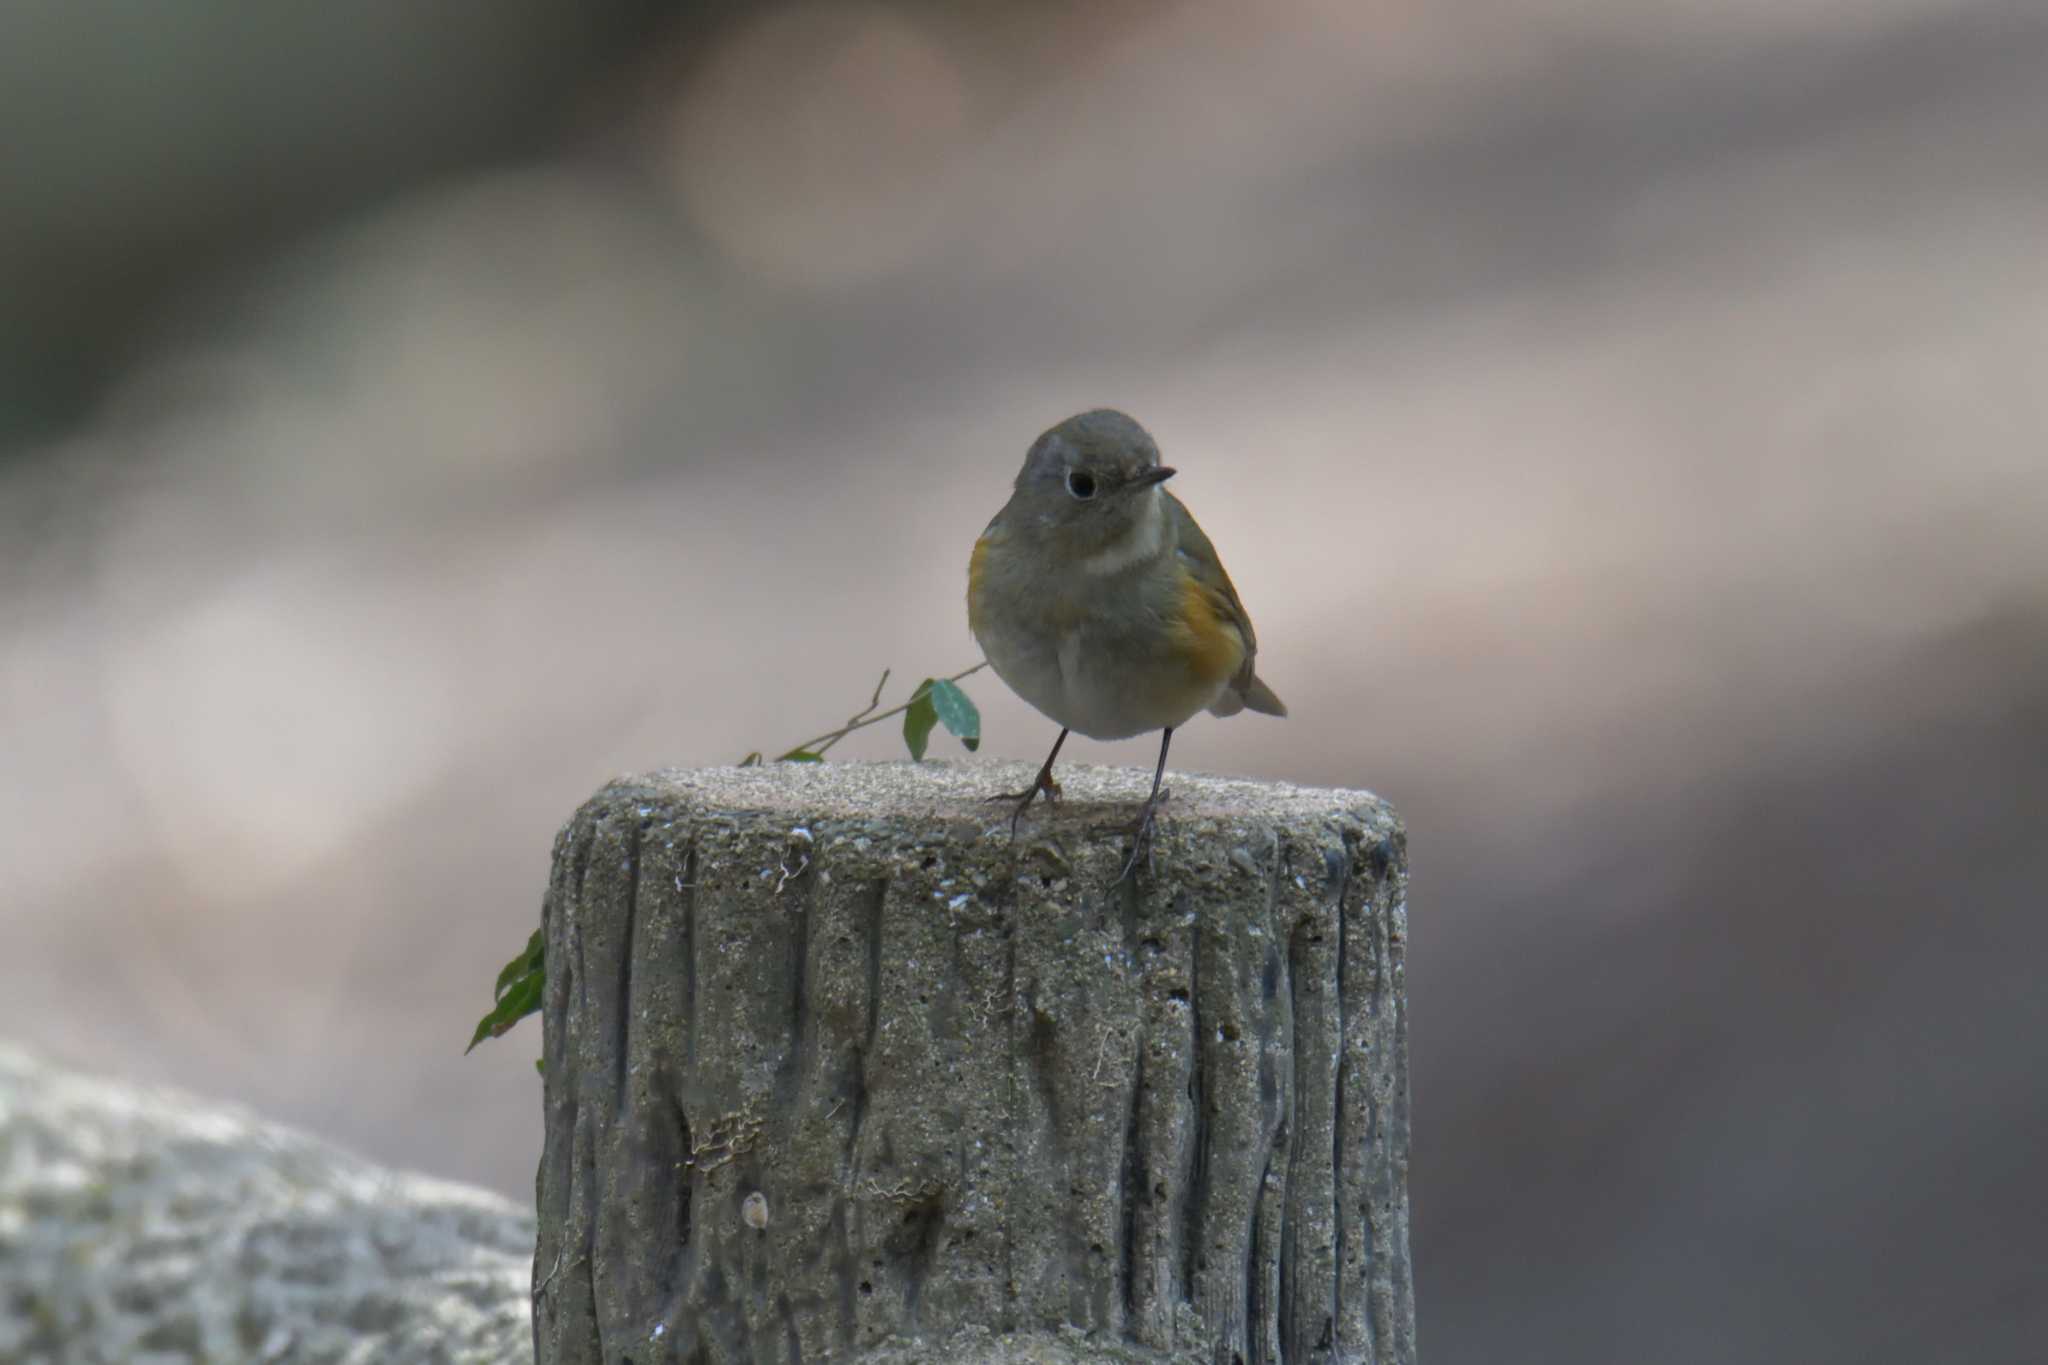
1158, 473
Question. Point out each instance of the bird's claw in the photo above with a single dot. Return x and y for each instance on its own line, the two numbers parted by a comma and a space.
1141, 836
1045, 783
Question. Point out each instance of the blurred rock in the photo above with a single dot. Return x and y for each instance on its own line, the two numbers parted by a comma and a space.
142, 1225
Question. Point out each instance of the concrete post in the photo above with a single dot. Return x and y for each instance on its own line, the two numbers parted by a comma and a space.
836, 1072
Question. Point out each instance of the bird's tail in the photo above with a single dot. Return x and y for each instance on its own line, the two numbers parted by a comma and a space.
1256, 696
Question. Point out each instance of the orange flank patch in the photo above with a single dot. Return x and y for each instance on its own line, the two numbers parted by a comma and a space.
977, 563
1205, 637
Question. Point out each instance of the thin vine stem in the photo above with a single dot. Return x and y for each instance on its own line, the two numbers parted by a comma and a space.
866, 716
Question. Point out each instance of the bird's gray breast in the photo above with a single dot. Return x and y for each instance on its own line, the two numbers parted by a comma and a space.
1083, 648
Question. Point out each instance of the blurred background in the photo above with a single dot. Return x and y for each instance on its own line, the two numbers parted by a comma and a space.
1625, 422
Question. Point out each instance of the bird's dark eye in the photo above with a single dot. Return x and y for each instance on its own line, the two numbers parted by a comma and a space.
1081, 484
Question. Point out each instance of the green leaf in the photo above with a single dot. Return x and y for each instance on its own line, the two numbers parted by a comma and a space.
521, 1000
919, 720
800, 756
752, 760
957, 713
528, 961
518, 992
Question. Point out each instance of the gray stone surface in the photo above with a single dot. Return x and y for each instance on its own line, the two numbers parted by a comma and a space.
835, 1070
142, 1227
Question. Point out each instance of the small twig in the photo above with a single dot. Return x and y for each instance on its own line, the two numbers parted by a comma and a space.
852, 721
789, 872
742, 1129
862, 719
542, 1287
903, 1192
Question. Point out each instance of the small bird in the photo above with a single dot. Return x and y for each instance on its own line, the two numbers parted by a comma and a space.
1097, 598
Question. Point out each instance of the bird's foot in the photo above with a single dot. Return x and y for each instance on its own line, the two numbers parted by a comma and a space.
1044, 783
1141, 835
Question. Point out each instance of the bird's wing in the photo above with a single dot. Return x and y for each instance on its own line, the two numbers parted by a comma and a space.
1199, 558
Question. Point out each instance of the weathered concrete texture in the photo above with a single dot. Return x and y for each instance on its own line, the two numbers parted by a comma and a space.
142, 1226
834, 1069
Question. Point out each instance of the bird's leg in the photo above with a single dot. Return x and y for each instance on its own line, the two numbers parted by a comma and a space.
1043, 783
1141, 837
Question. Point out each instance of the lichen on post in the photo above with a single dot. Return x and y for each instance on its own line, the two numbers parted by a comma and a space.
836, 1071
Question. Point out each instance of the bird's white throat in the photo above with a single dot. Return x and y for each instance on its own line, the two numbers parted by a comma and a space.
1139, 543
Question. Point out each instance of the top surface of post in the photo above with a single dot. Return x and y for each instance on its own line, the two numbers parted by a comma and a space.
936, 789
